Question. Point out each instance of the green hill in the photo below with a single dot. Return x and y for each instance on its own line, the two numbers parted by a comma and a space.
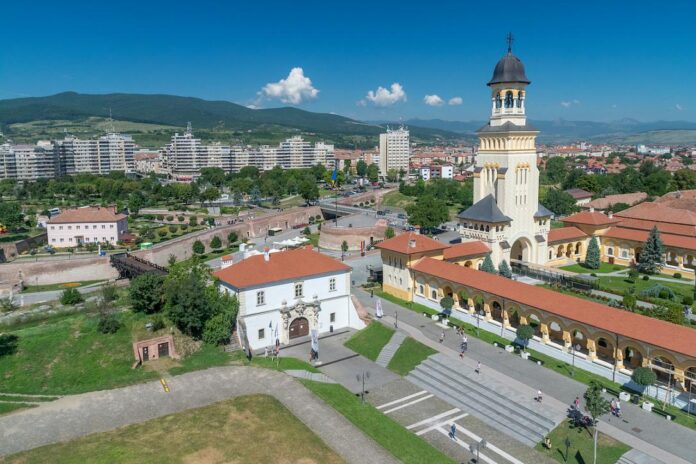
218, 116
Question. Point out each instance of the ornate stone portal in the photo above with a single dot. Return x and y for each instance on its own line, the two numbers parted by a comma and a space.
309, 311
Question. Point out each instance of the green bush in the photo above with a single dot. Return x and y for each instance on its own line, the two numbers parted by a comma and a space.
644, 376
158, 322
180, 218
216, 243
217, 329
172, 229
160, 217
109, 292
108, 323
146, 293
162, 232
677, 275
184, 226
71, 296
688, 300
7, 305
198, 247
646, 277
8, 344
231, 237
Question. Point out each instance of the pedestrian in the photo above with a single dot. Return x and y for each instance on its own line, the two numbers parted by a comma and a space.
478, 367
442, 336
618, 407
613, 407
465, 340
453, 431
577, 403
265, 352
539, 397
372, 292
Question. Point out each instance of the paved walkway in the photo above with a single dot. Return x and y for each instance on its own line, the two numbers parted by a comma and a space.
390, 348
647, 432
74, 416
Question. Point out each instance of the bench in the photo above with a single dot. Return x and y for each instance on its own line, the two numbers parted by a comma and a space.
662, 412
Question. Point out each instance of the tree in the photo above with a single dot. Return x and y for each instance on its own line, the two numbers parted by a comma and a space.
555, 169
135, 202
8, 344
446, 304
109, 293
592, 254
684, 179
346, 166
11, 215
525, 333
218, 328
198, 247
186, 299
193, 221
650, 261
389, 233
487, 265
373, 172
212, 176
560, 202
216, 243
210, 194
146, 293
8, 304
308, 190
504, 269
428, 212
232, 238
629, 301
108, 323
616, 207
392, 175
361, 168
597, 406
171, 260
644, 376
71, 296
344, 246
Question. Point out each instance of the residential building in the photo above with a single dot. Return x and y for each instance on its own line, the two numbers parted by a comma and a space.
27, 162
185, 156
148, 161
394, 150
295, 153
581, 197
111, 152
288, 294
89, 224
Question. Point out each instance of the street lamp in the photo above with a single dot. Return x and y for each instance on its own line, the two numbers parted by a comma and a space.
361, 378
478, 322
573, 349
475, 448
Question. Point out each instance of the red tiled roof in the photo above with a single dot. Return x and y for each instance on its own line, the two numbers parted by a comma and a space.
594, 218
472, 248
659, 213
659, 333
579, 193
609, 200
670, 240
565, 233
282, 265
87, 214
668, 228
402, 244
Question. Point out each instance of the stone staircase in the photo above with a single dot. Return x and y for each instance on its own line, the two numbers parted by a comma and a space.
637, 457
233, 344
390, 348
496, 404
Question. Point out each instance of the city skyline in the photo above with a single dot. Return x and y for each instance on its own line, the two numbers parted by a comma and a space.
594, 65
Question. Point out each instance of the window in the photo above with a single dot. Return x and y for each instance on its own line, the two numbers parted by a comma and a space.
111, 226
53, 240
508, 99
69, 227
298, 290
610, 251
94, 226
61, 240
260, 298
77, 227
262, 334
624, 253
332, 317
103, 226
332, 284
60, 227
53, 227
433, 294
421, 289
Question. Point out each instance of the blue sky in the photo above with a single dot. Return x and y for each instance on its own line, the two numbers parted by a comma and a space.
587, 61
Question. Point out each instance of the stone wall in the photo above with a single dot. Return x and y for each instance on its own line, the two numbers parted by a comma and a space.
9, 251
54, 271
332, 237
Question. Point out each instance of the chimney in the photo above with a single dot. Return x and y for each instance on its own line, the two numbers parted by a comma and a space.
412, 243
266, 255
591, 209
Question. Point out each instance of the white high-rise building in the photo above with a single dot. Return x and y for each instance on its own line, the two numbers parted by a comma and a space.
394, 150
506, 214
295, 153
111, 152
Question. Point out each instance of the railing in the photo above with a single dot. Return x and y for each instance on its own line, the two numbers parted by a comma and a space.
550, 276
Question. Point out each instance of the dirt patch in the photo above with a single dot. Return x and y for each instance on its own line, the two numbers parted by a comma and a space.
208, 455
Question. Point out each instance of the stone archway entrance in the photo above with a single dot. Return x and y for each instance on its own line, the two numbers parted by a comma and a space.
299, 328
521, 250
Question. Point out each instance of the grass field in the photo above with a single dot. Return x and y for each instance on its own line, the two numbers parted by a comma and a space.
619, 285
396, 199
6, 408
232, 431
370, 340
401, 443
603, 268
409, 355
581, 446
63, 286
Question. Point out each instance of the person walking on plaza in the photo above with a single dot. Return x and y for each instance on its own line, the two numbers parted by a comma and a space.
453, 432
577, 403
539, 397
613, 407
442, 336
618, 407
478, 367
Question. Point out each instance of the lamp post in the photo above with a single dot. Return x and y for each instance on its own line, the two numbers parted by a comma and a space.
361, 378
475, 448
573, 349
480, 314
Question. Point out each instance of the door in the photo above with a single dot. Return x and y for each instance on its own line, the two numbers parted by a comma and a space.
611, 260
146, 353
299, 328
163, 349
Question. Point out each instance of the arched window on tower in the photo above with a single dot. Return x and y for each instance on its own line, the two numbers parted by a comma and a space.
508, 99
520, 96
498, 101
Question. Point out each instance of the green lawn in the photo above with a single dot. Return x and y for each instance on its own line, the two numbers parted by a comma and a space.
404, 445
581, 446
619, 285
207, 356
396, 199
62, 286
280, 364
409, 355
228, 431
604, 268
6, 408
370, 340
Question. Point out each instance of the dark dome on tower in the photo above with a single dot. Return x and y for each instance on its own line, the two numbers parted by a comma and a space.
509, 70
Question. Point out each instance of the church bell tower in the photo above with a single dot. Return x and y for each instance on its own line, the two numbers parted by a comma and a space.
506, 214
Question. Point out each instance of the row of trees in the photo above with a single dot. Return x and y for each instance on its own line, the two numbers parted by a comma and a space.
433, 200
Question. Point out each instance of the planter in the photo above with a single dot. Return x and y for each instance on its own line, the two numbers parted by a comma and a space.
524, 355
647, 406
624, 396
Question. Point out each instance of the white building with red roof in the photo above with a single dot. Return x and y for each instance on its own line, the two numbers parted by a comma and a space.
89, 224
287, 294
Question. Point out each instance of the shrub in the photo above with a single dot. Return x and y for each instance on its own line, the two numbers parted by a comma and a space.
198, 247
633, 273
677, 275
688, 300
646, 277
160, 217
109, 292
146, 293
311, 220
158, 322
306, 231
180, 218
216, 243
8, 344
172, 229
232, 237
644, 376
664, 294
162, 232
71, 296
446, 304
184, 226
7, 305
193, 221
108, 323
525, 333
593, 274
170, 218
217, 329
318, 217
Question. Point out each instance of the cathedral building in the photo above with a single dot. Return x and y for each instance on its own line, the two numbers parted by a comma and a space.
506, 214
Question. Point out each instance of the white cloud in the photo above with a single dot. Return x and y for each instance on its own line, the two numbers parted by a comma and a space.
385, 97
454, 101
569, 103
433, 100
678, 107
252, 107
294, 89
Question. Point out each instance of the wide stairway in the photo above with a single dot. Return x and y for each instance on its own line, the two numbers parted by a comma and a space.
637, 457
497, 405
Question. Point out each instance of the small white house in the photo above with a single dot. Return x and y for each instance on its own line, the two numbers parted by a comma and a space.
284, 295
90, 224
